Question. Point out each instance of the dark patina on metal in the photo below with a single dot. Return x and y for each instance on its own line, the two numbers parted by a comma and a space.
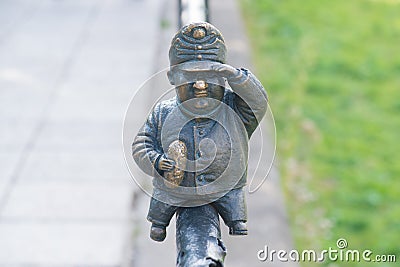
196, 146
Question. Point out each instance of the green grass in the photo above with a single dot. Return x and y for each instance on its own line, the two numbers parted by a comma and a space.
332, 71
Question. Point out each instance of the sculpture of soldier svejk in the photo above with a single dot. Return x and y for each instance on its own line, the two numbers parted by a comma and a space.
195, 145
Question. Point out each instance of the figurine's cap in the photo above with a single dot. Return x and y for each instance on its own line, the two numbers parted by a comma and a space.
197, 41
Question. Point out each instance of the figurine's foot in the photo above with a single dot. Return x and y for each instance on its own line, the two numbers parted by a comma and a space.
158, 232
238, 228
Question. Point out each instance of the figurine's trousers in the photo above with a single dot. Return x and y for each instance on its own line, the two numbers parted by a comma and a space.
231, 207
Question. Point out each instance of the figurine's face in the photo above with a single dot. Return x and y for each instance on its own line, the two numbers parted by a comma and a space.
200, 97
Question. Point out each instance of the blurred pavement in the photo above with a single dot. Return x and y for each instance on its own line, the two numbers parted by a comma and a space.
67, 73
68, 70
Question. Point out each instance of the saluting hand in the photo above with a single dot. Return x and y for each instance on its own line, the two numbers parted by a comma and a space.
225, 70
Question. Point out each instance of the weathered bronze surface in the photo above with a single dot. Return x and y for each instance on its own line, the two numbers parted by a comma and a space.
198, 237
177, 152
196, 144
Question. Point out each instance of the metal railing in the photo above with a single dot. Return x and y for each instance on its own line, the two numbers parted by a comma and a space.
198, 233
193, 11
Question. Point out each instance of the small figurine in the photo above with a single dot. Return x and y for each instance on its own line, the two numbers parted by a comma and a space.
196, 144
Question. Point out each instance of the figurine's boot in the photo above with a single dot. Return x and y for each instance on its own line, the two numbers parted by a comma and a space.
238, 228
158, 232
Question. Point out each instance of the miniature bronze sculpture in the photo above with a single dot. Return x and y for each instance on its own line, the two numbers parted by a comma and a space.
196, 144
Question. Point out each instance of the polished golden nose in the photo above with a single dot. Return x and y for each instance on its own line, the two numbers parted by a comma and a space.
201, 85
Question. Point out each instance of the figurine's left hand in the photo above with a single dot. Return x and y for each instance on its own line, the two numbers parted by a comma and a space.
225, 70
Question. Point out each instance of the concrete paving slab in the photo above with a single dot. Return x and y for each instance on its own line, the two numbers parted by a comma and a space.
55, 200
8, 160
81, 136
15, 133
76, 103
62, 244
39, 47
13, 14
75, 167
22, 96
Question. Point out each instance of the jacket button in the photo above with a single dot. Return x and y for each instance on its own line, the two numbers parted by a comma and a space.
200, 178
201, 132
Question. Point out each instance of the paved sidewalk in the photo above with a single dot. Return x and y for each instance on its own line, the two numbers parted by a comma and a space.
67, 72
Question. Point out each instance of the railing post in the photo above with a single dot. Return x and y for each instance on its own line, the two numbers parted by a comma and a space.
198, 233
198, 238
193, 11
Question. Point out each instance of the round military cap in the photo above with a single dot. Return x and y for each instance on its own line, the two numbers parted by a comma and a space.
196, 42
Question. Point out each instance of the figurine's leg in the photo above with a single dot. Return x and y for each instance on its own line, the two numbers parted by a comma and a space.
159, 215
233, 210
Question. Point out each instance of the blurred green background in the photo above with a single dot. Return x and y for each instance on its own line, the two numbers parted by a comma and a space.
332, 71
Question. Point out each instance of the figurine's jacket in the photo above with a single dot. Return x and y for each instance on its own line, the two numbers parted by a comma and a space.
229, 128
